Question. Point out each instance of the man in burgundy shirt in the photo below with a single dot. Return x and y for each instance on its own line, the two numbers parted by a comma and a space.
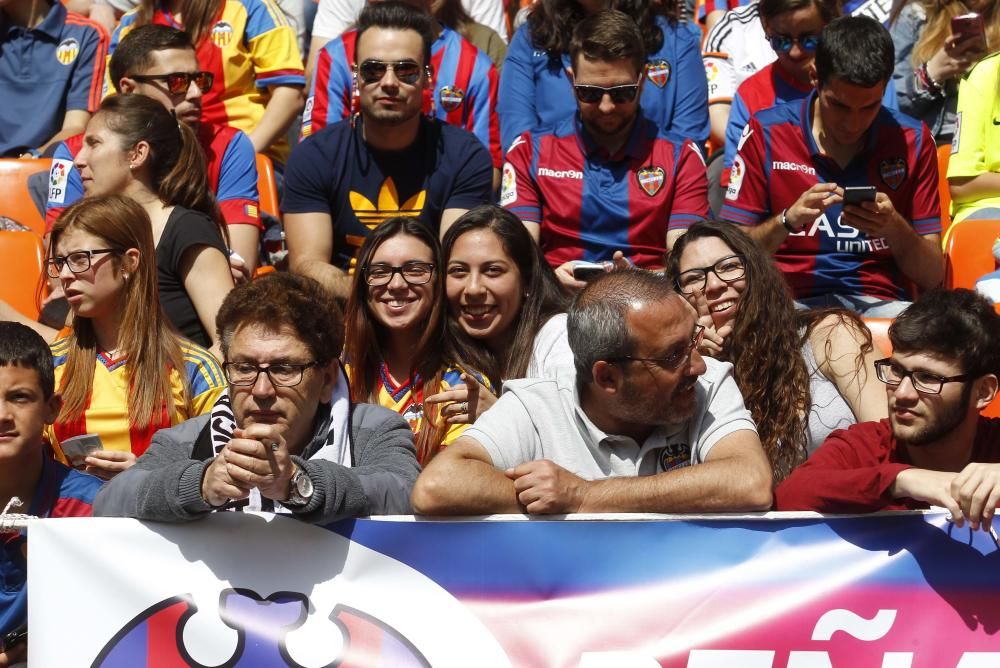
935, 448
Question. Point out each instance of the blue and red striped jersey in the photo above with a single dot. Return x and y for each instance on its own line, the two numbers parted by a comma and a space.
230, 161
778, 160
465, 88
590, 205
61, 492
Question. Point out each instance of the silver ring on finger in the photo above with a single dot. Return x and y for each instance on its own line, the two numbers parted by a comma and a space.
465, 407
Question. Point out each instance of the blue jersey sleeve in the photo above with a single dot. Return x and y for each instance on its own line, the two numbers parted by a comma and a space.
238, 172
87, 82
516, 103
739, 116
483, 87
690, 119
65, 184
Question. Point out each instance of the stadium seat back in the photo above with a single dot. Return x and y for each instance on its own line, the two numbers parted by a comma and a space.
267, 186
15, 200
968, 252
21, 269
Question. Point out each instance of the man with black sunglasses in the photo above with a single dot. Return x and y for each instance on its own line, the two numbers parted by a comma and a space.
159, 62
605, 181
935, 448
286, 437
645, 424
389, 160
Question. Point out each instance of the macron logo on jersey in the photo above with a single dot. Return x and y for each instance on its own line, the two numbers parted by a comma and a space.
784, 166
560, 173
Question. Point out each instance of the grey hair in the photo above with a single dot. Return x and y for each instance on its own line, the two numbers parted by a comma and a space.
596, 324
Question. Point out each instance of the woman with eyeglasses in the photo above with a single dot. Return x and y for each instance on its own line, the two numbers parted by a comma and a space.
507, 309
803, 374
397, 349
123, 372
252, 51
536, 80
932, 57
135, 147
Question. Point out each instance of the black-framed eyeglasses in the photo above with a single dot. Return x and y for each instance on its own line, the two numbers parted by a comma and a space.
783, 43
77, 261
406, 71
892, 374
179, 82
414, 273
589, 94
673, 361
728, 270
280, 375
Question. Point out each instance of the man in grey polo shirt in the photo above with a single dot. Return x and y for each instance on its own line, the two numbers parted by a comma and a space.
644, 425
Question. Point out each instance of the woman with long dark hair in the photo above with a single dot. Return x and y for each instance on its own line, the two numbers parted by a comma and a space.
135, 147
398, 351
536, 86
507, 309
123, 371
802, 373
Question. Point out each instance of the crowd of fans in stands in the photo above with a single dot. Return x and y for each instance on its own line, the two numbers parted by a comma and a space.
620, 265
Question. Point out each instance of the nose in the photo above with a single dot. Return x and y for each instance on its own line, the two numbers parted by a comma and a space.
713, 282
81, 158
906, 390
193, 92
696, 364
607, 105
65, 274
262, 387
389, 79
475, 286
397, 282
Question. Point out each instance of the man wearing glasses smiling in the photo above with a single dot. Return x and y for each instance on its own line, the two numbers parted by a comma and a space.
935, 448
389, 160
606, 182
646, 424
286, 438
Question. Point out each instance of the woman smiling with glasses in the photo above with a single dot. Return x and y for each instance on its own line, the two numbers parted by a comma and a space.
397, 350
802, 373
123, 372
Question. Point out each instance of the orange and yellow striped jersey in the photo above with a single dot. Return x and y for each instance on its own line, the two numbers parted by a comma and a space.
107, 409
249, 48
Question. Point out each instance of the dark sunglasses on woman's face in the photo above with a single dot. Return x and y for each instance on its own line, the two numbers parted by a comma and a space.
783, 43
406, 71
594, 94
179, 82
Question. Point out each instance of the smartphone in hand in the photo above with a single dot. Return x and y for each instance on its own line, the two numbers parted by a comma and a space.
859, 194
969, 25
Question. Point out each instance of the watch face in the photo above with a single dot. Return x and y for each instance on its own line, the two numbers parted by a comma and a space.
304, 485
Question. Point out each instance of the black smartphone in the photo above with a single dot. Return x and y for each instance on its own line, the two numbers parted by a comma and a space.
585, 271
859, 194
14, 638
968, 25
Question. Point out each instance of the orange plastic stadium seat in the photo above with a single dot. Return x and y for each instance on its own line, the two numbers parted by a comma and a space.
21, 269
968, 252
267, 186
944, 192
879, 327
15, 201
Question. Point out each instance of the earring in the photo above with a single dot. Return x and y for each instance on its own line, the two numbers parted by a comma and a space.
131, 167
125, 276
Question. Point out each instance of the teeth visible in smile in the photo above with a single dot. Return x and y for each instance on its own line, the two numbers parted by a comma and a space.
722, 306
477, 310
398, 302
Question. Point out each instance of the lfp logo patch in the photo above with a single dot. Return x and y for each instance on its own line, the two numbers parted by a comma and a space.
222, 33
67, 51
651, 179
658, 71
893, 172
452, 98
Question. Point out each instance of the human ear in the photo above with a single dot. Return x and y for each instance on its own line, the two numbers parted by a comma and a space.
986, 390
607, 377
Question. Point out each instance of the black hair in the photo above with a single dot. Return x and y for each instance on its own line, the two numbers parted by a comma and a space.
828, 9
608, 35
22, 346
396, 15
856, 49
956, 324
135, 52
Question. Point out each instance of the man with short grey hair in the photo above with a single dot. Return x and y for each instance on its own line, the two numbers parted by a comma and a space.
644, 425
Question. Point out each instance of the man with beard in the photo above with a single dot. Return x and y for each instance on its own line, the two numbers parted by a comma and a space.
606, 179
935, 448
645, 425
389, 160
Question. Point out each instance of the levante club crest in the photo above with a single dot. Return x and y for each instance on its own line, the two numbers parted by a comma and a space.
452, 98
893, 172
651, 179
658, 71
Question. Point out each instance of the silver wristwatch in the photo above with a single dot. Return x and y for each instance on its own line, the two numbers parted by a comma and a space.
300, 489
